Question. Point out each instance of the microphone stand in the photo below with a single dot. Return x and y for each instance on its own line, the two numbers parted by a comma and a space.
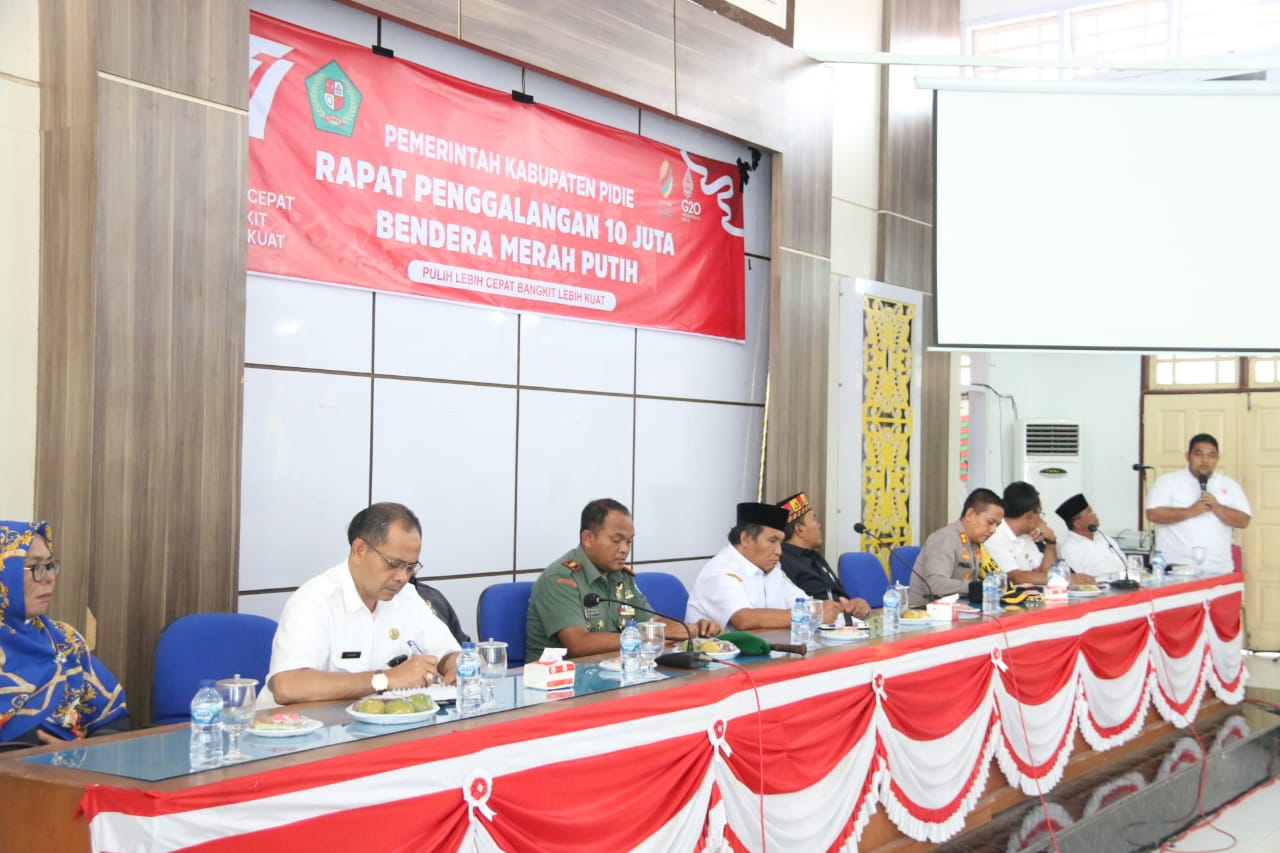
862, 528
690, 658
1127, 583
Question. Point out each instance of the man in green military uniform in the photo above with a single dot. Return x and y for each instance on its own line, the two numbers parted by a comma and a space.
557, 615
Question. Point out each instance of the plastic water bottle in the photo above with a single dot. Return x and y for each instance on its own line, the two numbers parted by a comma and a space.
629, 646
801, 630
470, 695
206, 727
904, 601
1157, 568
892, 611
991, 594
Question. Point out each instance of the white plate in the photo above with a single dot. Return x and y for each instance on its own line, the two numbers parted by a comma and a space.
392, 719
842, 634
309, 725
1083, 593
832, 626
725, 654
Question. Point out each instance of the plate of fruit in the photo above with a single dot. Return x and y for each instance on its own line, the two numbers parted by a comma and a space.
717, 649
394, 708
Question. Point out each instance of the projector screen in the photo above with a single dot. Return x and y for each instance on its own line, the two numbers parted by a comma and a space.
1069, 218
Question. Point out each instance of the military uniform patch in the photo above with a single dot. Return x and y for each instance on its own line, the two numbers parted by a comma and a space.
569, 582
572, 565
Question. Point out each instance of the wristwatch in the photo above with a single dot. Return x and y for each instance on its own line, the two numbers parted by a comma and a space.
380, 682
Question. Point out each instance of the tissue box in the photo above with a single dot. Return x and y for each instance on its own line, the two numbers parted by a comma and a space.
549, 675
1055, 594
943, 611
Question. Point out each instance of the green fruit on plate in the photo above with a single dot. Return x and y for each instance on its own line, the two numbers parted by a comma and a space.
421, 702
399, 706
371, 706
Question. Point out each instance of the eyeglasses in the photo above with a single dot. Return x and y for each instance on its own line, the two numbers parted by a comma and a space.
394, 564
38, 571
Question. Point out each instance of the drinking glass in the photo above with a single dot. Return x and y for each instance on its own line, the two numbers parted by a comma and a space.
653, 636
238, 696
1197, 557
493, 668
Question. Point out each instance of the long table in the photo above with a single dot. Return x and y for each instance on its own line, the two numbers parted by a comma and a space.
799, 752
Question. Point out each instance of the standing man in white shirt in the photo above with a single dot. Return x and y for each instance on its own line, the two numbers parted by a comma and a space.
1085, 547
341, 630
1015, 546
742, 586
1196, 506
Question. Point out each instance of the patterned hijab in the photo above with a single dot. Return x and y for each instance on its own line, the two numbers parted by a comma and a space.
48, 677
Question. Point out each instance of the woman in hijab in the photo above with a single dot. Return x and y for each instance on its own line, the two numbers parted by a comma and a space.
51, 688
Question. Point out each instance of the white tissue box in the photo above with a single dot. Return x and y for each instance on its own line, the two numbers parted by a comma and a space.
549, 675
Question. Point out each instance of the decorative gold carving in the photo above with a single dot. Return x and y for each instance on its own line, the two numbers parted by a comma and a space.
887, 423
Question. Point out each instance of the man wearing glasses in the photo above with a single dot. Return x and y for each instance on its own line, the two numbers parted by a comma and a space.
342, 632
1024, 545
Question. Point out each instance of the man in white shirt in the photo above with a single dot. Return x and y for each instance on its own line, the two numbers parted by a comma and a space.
1085, 547
1198, 507
340, 630
742, 585
1015, 545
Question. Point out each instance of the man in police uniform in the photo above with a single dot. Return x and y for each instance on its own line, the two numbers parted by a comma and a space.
557, 615
805, 565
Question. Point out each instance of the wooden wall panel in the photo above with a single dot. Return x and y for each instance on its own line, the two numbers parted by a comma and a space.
802, 200
797, 414
195, 47
936, 401
170, 316
905, 255
443, 17
622, 48
65, 392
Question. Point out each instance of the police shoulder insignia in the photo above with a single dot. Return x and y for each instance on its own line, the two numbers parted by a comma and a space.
732, 575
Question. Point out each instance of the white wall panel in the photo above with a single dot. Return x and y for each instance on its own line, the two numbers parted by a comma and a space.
562, 353
756, 199
574, 448
694, 463
302, 324
304, 473
268, 604
442, 340
669, 364
686, 570
333, 19
450, 58
448, 453
574, 99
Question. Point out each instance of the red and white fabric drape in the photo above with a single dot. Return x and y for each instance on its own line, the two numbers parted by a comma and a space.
910, 727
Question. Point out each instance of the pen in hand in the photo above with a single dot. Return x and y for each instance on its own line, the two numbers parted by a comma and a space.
417, 650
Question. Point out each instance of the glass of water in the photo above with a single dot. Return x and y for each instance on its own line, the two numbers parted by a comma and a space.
1197, 557
493, 668
653, 637
238, 698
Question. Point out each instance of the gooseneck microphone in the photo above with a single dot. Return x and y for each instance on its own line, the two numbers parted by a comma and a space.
859, 527
1121, 584
690, 658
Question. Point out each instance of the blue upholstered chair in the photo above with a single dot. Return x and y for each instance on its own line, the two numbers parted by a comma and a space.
207, 645
666, 593
901, 561
863, 577
501, 614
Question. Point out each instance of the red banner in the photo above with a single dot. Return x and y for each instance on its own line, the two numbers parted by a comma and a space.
374, 172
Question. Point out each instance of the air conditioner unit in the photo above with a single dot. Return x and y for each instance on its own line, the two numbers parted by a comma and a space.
1046, 454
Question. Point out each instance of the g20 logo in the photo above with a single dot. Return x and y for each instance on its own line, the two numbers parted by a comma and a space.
689, 207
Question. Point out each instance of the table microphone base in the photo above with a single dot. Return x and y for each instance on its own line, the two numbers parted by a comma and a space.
683, 660
1125, 584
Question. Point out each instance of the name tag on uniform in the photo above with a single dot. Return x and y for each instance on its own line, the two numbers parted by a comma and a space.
350, 655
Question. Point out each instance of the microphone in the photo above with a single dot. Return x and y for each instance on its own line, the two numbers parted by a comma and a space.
859, 527
1204, 481
1127, 583
688, 659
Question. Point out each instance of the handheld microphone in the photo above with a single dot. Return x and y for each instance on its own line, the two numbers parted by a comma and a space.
1204, 481
859, 527
688, 659
1127, 583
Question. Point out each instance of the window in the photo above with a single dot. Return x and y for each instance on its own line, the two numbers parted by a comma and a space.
1136, 30
1193, 370
1215, 27
1264, 371
1034, 38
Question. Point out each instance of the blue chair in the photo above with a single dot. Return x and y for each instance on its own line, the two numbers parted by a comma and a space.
207, 645
901, 561
666, 593
501, 614
863, 577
